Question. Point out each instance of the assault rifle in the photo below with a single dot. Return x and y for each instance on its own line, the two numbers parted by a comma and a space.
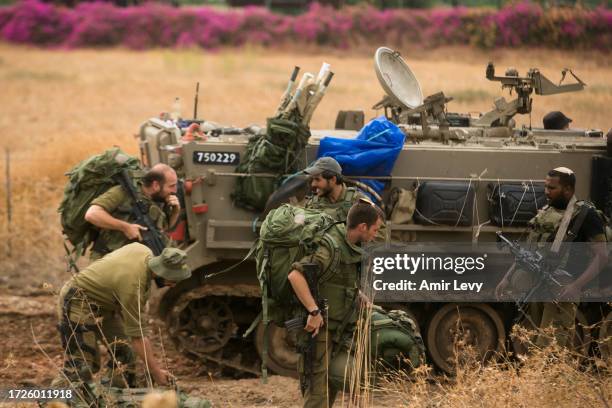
151, 237
308, 350
538, 265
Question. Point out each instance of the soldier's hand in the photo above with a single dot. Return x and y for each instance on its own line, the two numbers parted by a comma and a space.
132, 231
570, 292
363, 299
162, 377
501, 288
313, 324
173, 202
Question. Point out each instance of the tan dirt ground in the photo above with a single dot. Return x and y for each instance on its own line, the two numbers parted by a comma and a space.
28, 320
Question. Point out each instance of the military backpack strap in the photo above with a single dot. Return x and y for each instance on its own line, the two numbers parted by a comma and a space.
563, 225
331, 243
350, 194
583, 210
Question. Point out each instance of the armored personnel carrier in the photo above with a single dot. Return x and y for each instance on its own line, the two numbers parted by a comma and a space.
455, 159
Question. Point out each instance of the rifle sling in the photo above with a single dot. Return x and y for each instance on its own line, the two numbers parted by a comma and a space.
247, 256
573, 232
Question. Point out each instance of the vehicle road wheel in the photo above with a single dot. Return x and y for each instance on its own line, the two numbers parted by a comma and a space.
202, 325
457, 326
282, 358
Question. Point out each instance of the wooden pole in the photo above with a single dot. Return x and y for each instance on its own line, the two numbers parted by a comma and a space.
9, 208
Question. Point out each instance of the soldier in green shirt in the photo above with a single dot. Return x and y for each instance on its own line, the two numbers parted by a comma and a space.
105, 303
331, 196
111, 212
340, 286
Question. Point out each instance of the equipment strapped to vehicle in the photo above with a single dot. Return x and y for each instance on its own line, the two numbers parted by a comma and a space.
87, 180
274, 153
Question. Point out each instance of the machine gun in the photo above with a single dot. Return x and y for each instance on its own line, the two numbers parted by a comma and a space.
404, 102
538, 265
151, 237
523, 87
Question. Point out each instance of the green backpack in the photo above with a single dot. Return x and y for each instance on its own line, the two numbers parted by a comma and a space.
394, 336
87, 180
275, 152
287, 234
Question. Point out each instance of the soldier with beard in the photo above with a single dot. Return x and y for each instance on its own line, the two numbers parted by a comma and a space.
564, 219
331, 195
112, 211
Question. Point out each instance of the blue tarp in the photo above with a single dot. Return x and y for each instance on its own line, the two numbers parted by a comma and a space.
372, 153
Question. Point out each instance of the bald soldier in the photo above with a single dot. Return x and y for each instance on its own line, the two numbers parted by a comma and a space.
112, 212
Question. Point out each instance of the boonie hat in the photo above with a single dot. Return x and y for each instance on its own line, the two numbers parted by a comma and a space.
324, 164
555, 120
170, 265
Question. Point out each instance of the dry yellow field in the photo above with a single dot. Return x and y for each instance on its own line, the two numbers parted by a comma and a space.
61, 106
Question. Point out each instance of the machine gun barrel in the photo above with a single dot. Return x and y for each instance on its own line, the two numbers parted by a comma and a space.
534, 262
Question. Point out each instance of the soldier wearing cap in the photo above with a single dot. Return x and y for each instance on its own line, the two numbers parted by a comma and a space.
105, 304
565, 219
556, 120
331, 195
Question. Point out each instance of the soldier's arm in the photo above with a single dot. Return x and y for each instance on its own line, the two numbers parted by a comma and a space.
598, 262
99, 214
132, 298
142, 347
594, 229
302, 291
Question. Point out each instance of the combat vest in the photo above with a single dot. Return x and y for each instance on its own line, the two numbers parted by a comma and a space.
338, 210
543, 227
340, 285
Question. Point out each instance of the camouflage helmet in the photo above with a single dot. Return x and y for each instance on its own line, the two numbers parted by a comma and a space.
170, 265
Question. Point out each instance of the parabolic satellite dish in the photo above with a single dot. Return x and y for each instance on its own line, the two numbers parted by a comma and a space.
396, 78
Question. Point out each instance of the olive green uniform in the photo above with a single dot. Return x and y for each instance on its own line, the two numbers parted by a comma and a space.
339, 275
339, 209
559, 315
118, 203
105, 303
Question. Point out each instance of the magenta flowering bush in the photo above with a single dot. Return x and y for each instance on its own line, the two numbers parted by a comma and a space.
100, 24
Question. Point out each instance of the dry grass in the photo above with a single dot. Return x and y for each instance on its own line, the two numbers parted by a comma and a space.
552, 377
61, 106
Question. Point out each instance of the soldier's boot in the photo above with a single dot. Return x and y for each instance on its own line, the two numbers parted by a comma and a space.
121, 370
